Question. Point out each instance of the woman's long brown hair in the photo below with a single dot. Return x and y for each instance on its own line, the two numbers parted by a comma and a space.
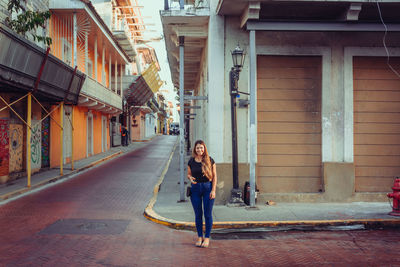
205, 161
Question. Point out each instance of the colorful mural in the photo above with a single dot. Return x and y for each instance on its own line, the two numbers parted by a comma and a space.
46, 142
16, 147
36, 145
4, 149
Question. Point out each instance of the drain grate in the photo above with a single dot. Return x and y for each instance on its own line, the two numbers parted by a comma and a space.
86, 227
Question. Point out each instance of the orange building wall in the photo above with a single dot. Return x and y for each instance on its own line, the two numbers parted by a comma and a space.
135, 131
80, 131
59, 30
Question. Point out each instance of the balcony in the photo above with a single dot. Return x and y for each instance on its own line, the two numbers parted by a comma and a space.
124, 37
95, 96
189, 5
191, 22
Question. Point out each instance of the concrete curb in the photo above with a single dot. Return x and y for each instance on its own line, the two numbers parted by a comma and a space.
51, 180
151, 215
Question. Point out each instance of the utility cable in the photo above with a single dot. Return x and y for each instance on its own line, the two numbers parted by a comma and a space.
384, 40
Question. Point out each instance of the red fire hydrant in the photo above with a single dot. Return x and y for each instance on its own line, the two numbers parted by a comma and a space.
396, 198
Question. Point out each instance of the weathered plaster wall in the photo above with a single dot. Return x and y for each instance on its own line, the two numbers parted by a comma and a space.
337, 107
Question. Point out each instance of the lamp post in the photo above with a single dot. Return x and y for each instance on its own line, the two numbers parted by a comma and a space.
238, 56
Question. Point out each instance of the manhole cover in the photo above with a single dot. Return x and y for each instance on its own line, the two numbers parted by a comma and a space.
86, 227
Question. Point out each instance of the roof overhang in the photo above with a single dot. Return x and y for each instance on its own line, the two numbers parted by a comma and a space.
138, 93
192, 24
94, 104
124, 41
315, 11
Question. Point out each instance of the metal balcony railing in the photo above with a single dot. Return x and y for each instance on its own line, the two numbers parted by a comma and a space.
186, 4
97, 91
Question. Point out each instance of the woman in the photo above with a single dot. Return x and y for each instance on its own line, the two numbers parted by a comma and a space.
202, 173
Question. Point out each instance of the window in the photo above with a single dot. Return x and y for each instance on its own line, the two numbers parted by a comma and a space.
67, 52
89, 71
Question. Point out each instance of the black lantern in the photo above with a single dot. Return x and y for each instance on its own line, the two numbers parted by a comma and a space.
238, 56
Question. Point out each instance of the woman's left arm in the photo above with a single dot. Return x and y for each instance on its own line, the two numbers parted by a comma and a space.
214, 181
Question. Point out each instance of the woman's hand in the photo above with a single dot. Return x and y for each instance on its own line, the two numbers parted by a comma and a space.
192, 179
212, 194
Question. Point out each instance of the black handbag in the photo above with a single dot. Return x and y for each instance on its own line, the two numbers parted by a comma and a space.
188, 191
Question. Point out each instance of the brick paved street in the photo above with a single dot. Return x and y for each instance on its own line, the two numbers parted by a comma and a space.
96, 219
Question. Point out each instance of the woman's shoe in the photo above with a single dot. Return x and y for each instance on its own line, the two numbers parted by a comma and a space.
205, 243
199, 242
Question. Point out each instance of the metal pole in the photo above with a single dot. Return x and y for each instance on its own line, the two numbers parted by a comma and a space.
234, 76
182, 4
61, 137
181, 119
253, 129
166, 6
28, 139
236, 193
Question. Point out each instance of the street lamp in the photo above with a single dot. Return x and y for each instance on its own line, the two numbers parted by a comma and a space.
238, 56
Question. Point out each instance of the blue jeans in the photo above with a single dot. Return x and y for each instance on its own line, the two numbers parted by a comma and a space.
201, 193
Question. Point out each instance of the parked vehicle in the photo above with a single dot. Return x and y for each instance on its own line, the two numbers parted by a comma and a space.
174, 128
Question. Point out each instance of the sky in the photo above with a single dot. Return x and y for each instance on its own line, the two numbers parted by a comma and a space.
151, 14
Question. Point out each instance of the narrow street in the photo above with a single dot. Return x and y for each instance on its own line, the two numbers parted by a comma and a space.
96, 219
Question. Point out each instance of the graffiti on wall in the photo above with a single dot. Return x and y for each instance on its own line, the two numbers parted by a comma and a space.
46, 142
4, 149
16, 147
36, 143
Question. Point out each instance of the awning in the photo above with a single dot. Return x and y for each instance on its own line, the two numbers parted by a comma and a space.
138, 93
25, 66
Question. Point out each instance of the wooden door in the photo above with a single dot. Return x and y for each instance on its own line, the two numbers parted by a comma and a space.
376, 123
289, 124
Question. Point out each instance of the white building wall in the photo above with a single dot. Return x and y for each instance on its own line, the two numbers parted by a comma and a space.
150, 123
216, 116
233, 36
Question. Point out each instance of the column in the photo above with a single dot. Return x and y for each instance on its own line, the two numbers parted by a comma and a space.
253, 126
95, 58
103, 67
121, 75
116, 76
86, 54
75, 42
181, 119
109, 73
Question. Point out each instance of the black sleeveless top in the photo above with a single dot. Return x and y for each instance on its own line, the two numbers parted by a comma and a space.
197, 173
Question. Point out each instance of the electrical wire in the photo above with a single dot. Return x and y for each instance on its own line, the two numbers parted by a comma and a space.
384, 41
